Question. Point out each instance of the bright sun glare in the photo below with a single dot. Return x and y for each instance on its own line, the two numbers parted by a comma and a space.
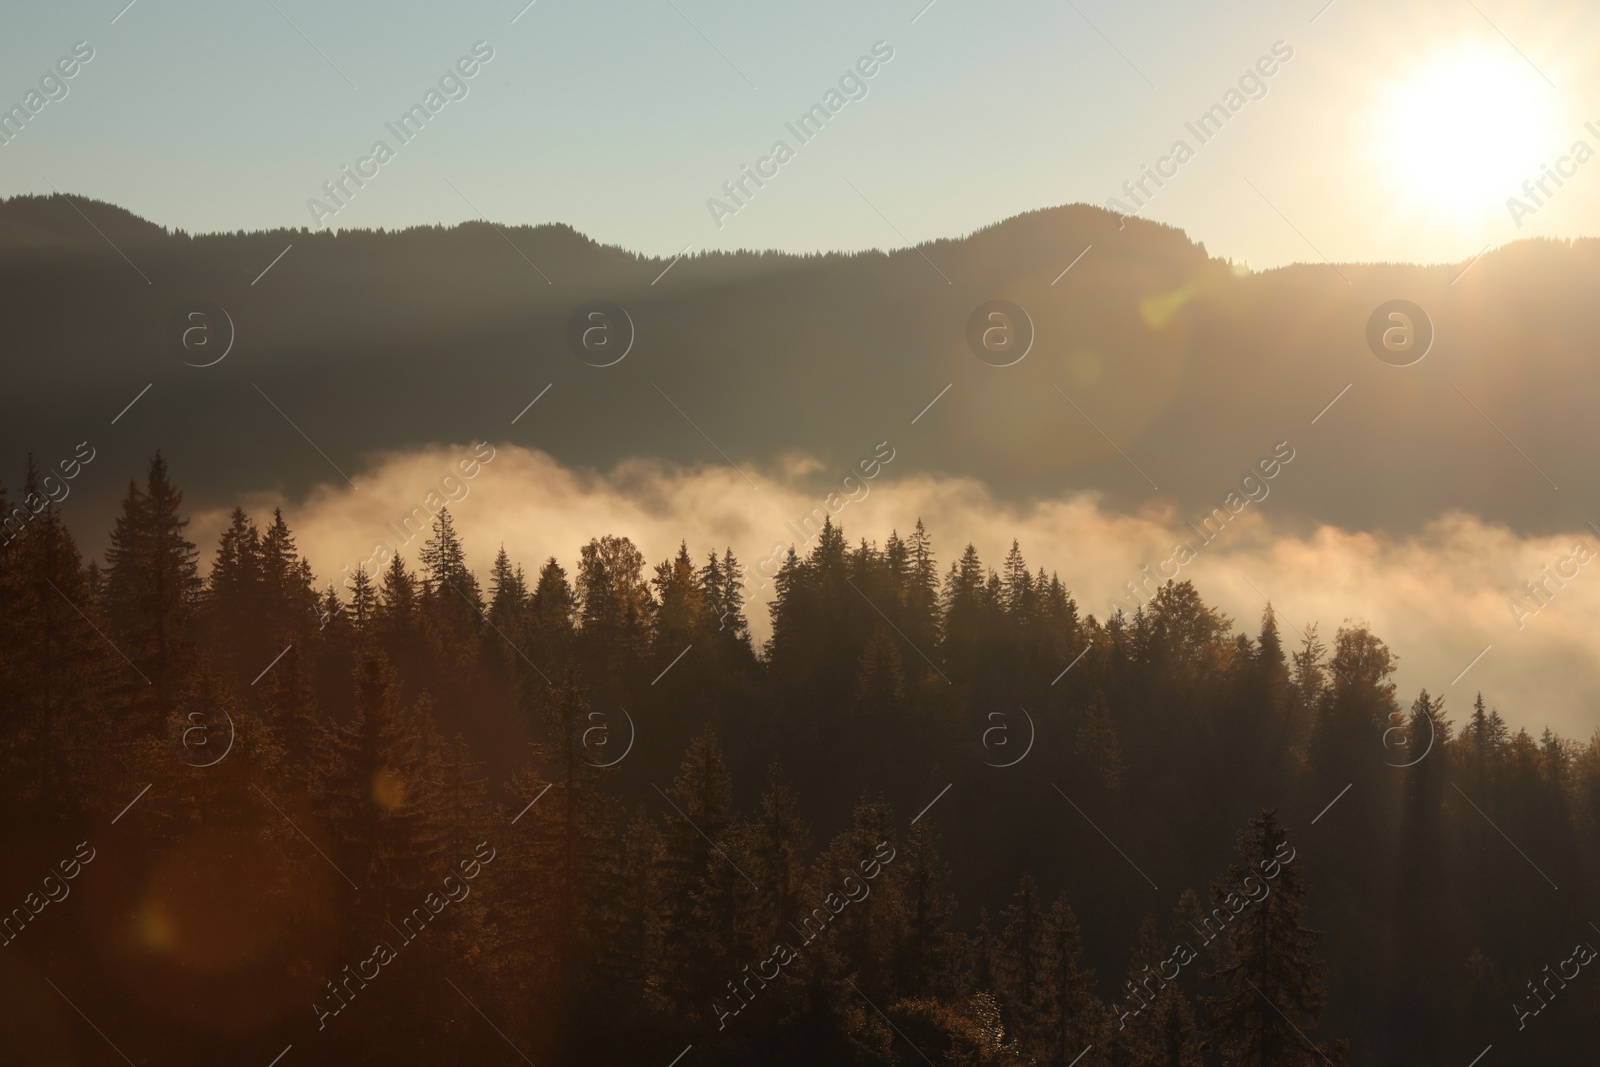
1464, 130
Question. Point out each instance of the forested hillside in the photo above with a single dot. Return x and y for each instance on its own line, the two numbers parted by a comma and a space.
374, 341
579, 817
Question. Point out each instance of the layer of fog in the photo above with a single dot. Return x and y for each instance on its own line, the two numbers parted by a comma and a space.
1439, 598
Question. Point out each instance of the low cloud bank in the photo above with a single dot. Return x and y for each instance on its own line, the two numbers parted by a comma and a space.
1438, 598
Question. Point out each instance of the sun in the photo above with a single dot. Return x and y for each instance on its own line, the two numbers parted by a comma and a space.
1464, 130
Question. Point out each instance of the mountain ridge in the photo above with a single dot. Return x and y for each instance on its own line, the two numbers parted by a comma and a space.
1180, 365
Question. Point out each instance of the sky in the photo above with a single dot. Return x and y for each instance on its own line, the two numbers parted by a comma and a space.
1355, 131
1391, 132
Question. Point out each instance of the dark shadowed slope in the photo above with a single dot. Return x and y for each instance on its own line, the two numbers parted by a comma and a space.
1195, 370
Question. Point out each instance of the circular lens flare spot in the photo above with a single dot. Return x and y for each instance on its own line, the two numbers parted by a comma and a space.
388, 789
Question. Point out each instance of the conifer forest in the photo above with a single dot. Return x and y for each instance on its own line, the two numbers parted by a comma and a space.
941, 815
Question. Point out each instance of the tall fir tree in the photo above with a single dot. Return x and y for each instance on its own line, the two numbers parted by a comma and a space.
1273, 992
152, 589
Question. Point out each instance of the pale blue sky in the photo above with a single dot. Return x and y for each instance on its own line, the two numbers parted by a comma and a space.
618, 118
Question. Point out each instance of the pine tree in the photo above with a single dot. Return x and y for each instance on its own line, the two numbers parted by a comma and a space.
152, 588
397, 619
55, 665
233, 602
724, 585
363, 602
1269, 687
864, 936
1098, 747
1060, 639
379, 791
1155, 1020
1134, 1039
880, 679
507, 593
289, 600
683, 614
923, 624
926, 959
451, 602
1424, 868
1018, 589
1273, 983
398, 595
1076, 1016
554, 607
696, 927
966, 614
778, 842
306, 742
562, 857
1484, 738
510, 631
1024, 972
710, 579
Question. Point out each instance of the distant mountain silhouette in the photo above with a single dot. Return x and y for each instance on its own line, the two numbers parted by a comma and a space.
371, 340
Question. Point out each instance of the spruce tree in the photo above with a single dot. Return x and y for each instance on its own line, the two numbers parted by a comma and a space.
880, 680
1097, 746
507, 592
1077, 1018
1023, 971
56, 665
966, 614
554, 607
695, 933
1018, 588
926, 961
380, 796
233, 601
1273, 993
778, 843
289, 599
363, 601
451, 601
397, 621
152, 590
922, 592
684, 613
